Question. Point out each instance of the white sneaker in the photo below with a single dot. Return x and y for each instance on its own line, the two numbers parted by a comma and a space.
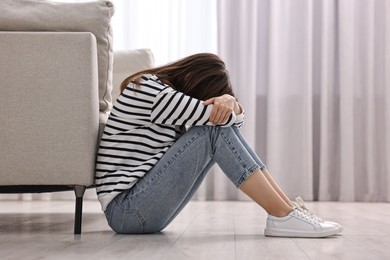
300, 204
298, 224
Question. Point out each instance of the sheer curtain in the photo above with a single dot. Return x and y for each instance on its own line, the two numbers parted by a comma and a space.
172, 29
314, 77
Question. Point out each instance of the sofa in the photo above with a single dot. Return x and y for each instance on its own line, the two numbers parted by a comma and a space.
56, 74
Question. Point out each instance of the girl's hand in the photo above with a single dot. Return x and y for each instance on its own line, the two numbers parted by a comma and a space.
223, 107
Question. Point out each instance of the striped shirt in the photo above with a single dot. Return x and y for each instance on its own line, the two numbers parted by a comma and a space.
143, 124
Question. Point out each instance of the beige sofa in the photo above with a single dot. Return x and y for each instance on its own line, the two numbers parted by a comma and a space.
55, 93
55, 90
49, 112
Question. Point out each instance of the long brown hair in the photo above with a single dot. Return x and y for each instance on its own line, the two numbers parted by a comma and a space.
201, 76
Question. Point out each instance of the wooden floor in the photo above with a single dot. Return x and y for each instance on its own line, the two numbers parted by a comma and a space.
204, 230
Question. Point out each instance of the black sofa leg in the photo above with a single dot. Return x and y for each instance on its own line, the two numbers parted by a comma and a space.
79, 192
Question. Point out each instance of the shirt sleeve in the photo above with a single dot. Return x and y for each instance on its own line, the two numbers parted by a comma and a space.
175, 108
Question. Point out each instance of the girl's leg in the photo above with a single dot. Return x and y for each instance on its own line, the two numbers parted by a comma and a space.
160, 195
263, 169
276, 186
261, 191
256, 186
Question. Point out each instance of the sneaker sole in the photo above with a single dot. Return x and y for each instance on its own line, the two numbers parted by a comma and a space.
293, 233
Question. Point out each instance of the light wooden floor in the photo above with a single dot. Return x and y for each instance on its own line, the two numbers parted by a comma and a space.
204, 230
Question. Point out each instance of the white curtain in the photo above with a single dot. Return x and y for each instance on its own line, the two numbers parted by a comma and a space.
172, 29
314, 77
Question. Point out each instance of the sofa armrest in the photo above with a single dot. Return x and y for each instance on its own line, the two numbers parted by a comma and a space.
49, 110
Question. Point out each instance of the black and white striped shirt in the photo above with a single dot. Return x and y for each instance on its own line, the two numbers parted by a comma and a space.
141, 128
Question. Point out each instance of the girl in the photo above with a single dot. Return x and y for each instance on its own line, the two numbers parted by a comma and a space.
166, 130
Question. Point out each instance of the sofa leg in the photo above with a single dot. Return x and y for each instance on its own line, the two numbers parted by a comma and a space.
79, 192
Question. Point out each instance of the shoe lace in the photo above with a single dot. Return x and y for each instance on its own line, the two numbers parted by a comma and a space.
307, 217
300, 205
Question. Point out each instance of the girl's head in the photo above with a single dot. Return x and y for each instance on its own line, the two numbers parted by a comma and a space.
201, 76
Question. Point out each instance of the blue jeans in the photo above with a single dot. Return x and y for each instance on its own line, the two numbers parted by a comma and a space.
156, 199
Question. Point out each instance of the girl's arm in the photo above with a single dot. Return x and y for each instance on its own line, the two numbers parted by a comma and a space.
175, 108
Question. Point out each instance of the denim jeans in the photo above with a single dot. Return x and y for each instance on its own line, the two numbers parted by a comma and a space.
156, 199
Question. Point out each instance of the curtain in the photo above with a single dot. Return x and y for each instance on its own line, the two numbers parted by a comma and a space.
314, 78
172, 29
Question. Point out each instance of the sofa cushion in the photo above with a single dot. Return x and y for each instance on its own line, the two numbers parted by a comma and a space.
128, 62
94, 17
